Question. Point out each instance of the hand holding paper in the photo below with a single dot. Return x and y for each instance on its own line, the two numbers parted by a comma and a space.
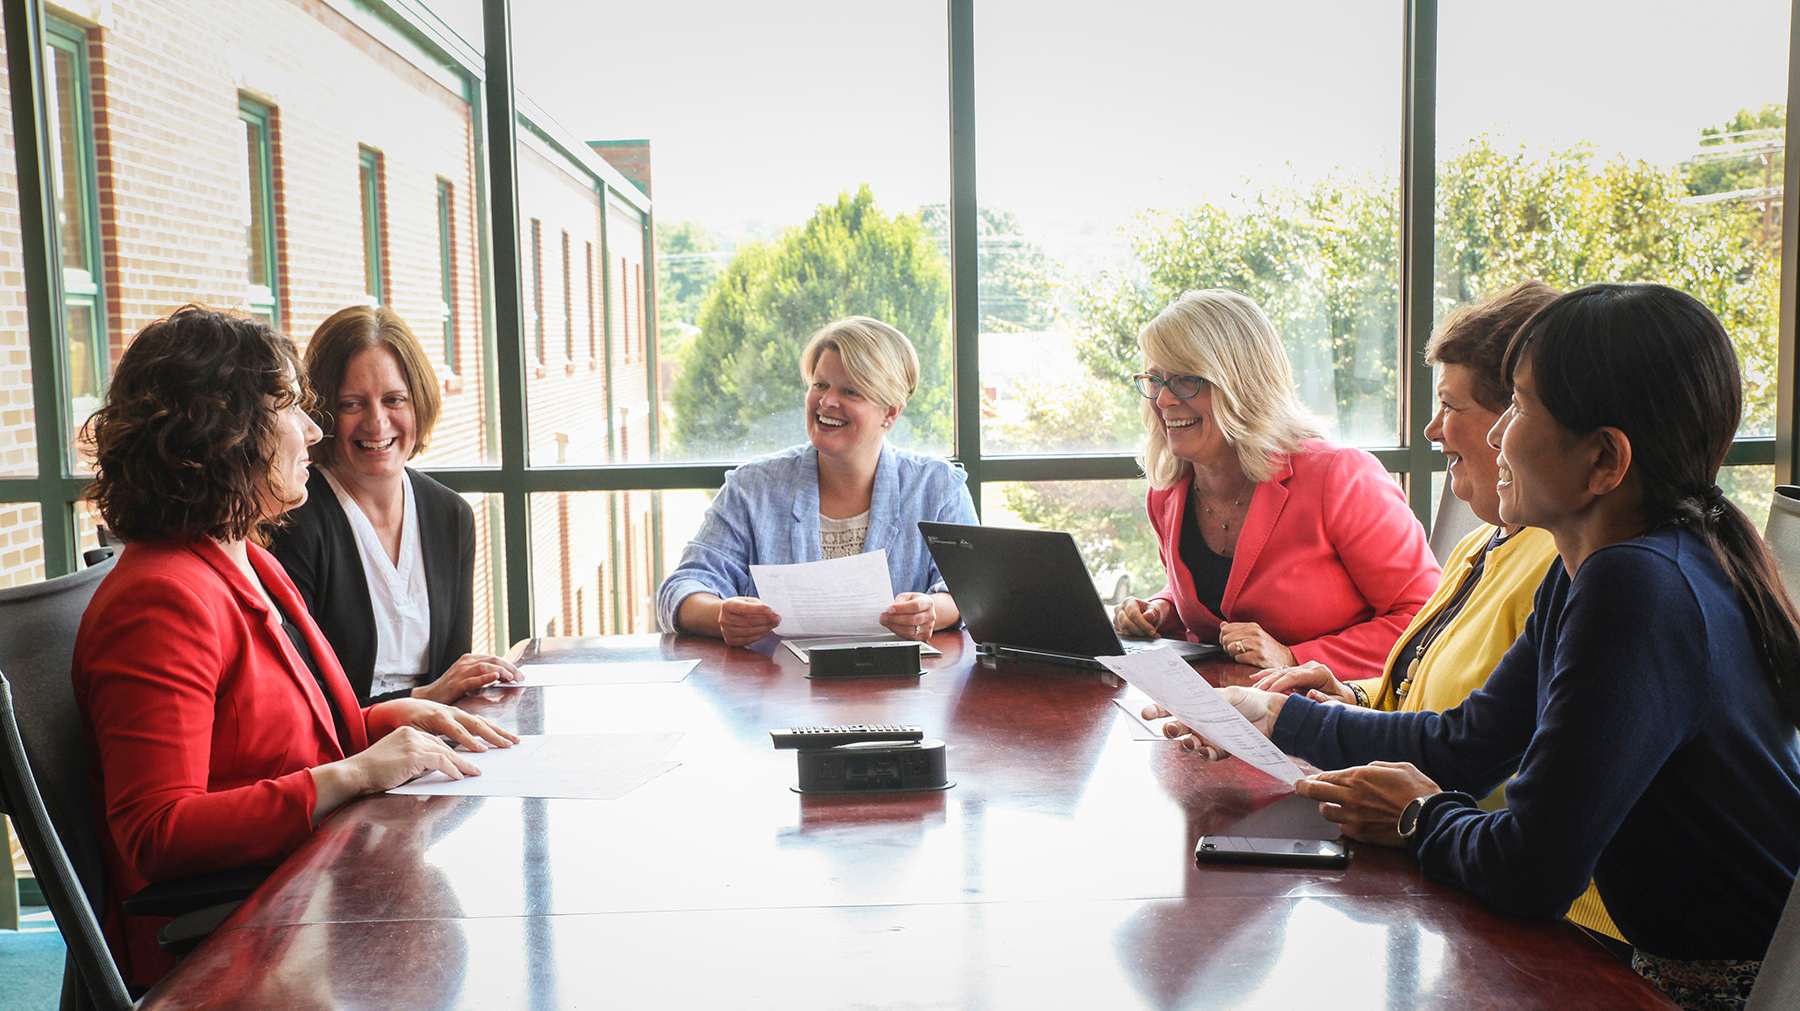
1167, 679
839, 596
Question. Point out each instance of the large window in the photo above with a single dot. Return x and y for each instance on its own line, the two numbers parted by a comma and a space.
262, 280
1017, 187
1679, 183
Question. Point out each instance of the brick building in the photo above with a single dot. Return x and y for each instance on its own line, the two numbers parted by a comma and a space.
291, 157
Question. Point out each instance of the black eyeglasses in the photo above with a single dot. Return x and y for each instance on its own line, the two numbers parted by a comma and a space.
1150, 387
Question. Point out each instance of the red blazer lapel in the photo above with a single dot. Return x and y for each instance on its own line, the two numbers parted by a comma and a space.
1174, 511
258, 613
1266, 504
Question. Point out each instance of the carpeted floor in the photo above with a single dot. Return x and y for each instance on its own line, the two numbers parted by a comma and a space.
31, 963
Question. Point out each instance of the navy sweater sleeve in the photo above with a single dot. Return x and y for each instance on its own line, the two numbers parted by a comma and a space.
1610, 672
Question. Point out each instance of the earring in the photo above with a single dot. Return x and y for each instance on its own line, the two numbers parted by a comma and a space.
886, 424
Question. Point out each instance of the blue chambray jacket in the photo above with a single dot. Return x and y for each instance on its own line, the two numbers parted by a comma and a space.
768, 514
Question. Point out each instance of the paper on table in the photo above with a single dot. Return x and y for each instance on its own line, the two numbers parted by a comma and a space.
1141, 730
1165, 677
583, 766
838, 596
541, 675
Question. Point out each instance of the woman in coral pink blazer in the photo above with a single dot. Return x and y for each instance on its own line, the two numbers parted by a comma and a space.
1284, 547
220, 728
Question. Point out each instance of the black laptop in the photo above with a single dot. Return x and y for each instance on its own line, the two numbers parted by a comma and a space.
1026, 594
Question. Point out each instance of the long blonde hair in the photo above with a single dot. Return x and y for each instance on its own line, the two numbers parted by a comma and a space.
1224, 338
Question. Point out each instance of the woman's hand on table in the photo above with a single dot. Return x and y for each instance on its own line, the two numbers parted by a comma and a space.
399, 757
1139, 618
1312, 679
1247, 643
471, 673
743, 620
439, 720
911, 616
1366, 800
1261, 708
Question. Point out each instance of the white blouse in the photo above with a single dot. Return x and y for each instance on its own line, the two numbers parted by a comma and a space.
396, 592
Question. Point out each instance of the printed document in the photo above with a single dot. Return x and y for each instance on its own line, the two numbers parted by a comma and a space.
1167, 679
543, 675
838, 596
582, 766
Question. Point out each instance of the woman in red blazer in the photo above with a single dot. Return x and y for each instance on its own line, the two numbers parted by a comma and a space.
1283, 546
220, 728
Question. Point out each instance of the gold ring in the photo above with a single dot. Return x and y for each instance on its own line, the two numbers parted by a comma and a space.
1239, 647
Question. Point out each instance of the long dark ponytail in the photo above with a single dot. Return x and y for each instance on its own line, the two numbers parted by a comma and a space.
1657, 365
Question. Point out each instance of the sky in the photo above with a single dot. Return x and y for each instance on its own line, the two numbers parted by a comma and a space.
756, 113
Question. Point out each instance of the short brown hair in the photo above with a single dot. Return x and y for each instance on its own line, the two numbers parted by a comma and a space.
348, 333
1475, 336
184, 443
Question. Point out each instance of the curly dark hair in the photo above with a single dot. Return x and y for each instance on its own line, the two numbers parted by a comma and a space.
182, 446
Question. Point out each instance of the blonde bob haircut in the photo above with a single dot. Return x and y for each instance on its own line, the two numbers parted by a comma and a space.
879, 358
348, 333
1224, 338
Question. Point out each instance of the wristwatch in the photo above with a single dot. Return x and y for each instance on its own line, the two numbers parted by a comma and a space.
1409, 817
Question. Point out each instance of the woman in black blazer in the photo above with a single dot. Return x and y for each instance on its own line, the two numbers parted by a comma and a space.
396, 599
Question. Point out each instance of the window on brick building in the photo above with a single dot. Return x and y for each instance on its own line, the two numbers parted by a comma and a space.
568, 298
374, 228
593, 316
537, 287
77, 189
447, 272
259, 211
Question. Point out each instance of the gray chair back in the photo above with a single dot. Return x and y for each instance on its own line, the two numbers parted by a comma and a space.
38, 622
1454, 521
89, 961
1783, 535
1778, 984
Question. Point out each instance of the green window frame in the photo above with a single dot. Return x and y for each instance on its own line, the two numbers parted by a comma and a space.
263, 281
446, 204
84, 339
374, 228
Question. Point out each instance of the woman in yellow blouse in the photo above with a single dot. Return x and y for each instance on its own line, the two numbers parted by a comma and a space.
1481, 605
1491, 577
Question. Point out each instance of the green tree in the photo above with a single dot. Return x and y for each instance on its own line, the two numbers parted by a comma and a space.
1322, 261
739, 389
1014, 286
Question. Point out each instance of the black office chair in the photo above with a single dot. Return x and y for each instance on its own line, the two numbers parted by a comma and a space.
90, 977
1778, 984
38, 623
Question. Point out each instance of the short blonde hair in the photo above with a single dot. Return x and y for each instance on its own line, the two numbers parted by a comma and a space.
1224, 338
879, 358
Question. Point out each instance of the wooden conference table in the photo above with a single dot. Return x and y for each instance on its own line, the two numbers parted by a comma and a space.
1057, 872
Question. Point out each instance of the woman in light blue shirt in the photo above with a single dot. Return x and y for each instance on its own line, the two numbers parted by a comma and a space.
845, 492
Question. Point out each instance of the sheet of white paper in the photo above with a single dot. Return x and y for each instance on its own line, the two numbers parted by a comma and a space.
1141, 730
541, 675
1165, 677
838, 596
582, 766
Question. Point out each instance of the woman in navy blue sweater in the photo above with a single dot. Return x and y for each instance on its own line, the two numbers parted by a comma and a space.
1648, 709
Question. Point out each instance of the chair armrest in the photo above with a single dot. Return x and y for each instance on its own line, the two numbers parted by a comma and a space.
185, 895
185, 932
